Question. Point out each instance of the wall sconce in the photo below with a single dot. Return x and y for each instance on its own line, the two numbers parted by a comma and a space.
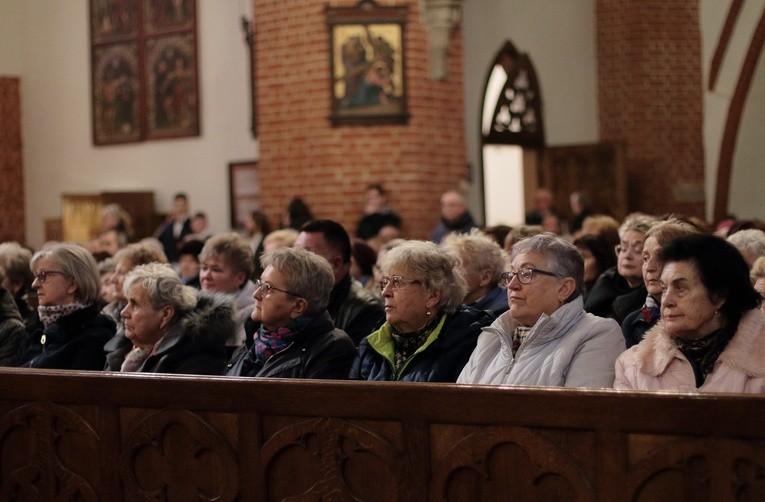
440, 16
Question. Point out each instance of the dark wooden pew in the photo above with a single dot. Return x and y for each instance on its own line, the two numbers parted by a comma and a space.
98, 436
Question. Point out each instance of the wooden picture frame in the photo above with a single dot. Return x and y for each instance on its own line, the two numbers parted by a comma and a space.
244, 191
144, 70
367, 62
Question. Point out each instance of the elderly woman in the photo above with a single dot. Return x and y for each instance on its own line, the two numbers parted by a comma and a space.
14, 259
173, 329
619, 290
71, 331
638, 322
126, 260
226, 264
482, 265
750, 243
545, 338
427, 336
709, 338
296, 337
757, 274
12, 332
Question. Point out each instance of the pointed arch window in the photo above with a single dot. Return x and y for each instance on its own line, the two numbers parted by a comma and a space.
512, 106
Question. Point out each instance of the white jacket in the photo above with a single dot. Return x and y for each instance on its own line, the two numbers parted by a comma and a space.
569, 348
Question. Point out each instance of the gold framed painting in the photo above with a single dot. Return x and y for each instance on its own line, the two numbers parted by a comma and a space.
367, 61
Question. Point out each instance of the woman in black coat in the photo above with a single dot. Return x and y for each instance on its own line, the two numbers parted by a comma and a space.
295, 336
174, 328
71, 331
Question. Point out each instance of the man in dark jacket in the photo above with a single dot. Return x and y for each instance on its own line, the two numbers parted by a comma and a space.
354, 309
455, 217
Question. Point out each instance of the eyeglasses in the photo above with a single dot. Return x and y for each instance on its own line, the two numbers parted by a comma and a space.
268, 287
396, 282
623, 249
43, 275
525, 276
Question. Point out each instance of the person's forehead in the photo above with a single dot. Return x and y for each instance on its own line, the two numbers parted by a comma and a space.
312, 241
530, 258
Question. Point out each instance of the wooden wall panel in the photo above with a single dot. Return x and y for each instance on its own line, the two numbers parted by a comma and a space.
97, 436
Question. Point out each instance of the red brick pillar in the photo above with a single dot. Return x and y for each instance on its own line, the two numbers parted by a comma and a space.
11, 175
302, 154
651, 94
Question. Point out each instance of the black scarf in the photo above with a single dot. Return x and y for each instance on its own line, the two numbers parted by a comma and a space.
703, 352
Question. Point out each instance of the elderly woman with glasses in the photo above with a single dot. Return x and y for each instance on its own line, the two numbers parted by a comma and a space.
427, 335
173, 327
71, 332
545, 338
295, 337
620, 291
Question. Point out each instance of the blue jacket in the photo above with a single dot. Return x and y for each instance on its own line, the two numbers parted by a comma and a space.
439, 359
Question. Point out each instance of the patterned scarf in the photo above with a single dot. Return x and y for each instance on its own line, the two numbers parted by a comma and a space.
519, 335
406, 344
267, 342
650, 311
52, 313
135, 358
703, 352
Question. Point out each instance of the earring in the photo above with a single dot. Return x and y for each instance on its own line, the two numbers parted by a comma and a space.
427, 313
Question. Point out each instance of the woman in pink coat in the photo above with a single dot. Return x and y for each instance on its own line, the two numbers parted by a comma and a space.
711, 336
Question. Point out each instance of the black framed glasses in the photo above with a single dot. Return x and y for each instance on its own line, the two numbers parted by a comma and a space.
43, 275
525, 276
268, 287
396, 282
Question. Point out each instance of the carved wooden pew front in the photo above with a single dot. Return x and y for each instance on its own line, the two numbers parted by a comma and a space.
99, 436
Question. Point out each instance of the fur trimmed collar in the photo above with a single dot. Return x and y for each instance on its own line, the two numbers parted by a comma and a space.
745, 352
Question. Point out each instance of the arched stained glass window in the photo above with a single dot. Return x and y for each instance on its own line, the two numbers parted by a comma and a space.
512, 106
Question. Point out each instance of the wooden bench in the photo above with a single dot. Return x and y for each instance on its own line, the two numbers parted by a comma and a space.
100, 436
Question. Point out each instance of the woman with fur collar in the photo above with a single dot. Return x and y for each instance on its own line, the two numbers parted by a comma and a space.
711, 332
174, 328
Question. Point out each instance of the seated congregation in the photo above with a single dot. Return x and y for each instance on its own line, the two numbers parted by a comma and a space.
653, 303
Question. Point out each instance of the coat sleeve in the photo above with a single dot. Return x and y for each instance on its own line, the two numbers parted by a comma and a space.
334, 361
593, 362
622, 380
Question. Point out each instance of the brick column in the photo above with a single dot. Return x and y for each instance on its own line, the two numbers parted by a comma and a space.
651, 94
11, 175
302, 154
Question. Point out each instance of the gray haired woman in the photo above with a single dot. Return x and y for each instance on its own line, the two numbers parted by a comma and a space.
295, 336
427, 335
71, 332
545, 338
174, 328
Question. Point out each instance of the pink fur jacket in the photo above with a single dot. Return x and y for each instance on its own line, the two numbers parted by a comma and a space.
657, 364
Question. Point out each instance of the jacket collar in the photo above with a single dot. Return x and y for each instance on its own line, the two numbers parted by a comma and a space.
745, 352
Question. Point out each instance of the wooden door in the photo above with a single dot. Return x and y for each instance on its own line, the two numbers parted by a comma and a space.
598, 169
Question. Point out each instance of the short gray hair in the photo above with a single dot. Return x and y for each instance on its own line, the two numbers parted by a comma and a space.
79, 264
639, 222
163, 287
751, 240
436, 267
308, 275
478, 252
564, 258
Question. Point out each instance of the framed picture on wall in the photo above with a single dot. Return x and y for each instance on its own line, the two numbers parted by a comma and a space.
116, 93
367, 61
172, 92
144, 70
244, 191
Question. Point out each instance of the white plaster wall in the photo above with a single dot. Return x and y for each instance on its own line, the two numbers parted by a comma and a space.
59, 156
747, 189
10, 37
559, 36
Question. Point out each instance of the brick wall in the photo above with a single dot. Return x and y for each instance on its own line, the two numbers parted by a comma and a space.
303, 155
650, 93
11, 178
